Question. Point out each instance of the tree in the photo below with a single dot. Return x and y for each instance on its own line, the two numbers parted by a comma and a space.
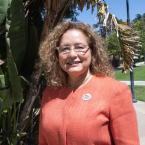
139, 25
128, 38
113, 44
21, 28
114, 49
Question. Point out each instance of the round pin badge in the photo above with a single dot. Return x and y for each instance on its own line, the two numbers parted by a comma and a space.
87, 97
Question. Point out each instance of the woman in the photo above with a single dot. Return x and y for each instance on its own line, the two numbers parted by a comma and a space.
82, 104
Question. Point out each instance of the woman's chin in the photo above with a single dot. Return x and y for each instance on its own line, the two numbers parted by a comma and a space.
74, 70
71, 68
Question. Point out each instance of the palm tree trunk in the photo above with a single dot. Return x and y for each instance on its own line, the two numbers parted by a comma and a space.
131, 72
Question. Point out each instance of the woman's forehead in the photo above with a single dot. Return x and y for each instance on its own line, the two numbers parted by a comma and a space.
74, 36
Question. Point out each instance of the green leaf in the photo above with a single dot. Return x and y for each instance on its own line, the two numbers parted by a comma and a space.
14, 78
31, 51
4, 4
17, 32
2, 81
6, 100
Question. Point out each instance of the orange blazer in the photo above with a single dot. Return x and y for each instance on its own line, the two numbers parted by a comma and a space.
98, 113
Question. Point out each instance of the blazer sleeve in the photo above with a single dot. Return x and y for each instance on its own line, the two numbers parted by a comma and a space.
123, 122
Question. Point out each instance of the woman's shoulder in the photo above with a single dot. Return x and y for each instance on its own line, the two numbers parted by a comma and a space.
50, 90
113, 89
50, 93
56, 92
109, 82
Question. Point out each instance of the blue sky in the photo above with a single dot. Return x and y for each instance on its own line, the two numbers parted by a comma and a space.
116, 7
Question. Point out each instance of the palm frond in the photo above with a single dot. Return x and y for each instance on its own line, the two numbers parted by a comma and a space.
130, 44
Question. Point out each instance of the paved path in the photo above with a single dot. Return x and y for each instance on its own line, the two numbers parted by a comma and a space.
139, 63
140, 112
136, 83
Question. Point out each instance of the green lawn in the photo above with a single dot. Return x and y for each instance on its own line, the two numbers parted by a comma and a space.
139, 74
140, 93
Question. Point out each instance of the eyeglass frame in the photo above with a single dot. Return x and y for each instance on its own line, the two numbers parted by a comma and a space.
70, 49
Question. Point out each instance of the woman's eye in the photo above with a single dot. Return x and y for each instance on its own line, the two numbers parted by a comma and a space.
65, 49
79, 47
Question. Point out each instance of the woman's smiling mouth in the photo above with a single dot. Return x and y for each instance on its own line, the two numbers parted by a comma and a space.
73, 63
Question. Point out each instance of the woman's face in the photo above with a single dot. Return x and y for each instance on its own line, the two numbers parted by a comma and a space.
74, 53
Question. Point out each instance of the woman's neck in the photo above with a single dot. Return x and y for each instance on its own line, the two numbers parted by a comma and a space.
75, 82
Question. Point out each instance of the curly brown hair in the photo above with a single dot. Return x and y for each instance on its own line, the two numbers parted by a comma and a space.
55, 76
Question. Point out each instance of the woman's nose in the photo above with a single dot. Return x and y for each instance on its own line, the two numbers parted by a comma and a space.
72, 52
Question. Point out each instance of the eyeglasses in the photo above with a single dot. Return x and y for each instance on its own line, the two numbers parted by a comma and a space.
79, 49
